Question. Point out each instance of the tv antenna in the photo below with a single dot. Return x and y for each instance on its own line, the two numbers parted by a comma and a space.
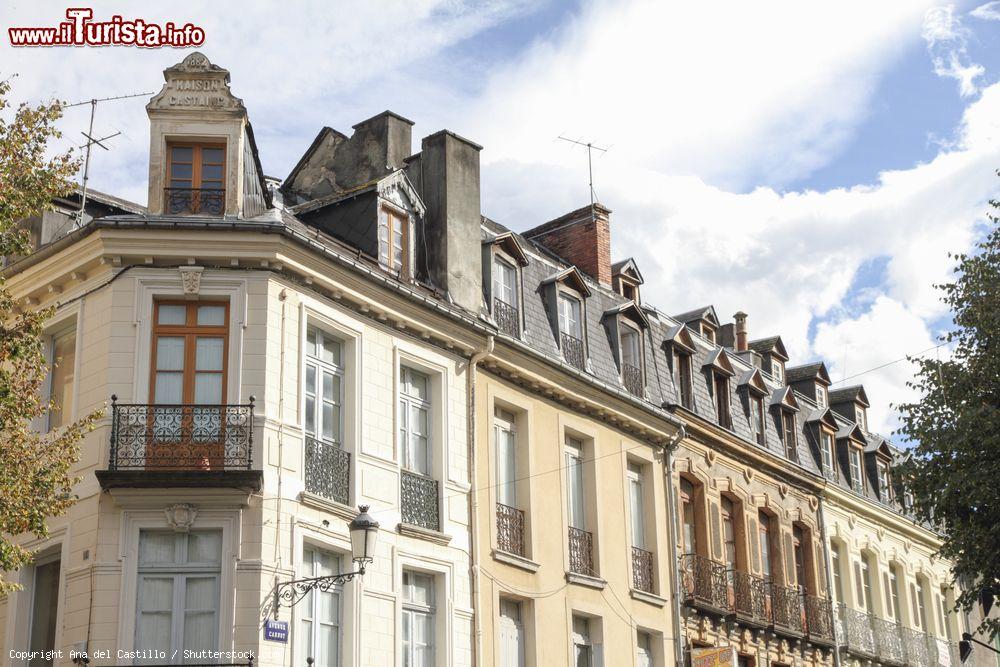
590, 162
91, 141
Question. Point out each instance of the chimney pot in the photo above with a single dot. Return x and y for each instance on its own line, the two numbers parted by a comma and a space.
582, 238
741, 331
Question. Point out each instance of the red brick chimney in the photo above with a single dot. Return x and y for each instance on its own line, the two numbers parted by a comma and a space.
741, 331
582, 238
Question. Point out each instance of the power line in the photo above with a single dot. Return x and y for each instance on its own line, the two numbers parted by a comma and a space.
890, 363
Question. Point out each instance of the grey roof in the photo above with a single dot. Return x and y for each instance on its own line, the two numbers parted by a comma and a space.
806, 372
770, 345
855, 394
703, 313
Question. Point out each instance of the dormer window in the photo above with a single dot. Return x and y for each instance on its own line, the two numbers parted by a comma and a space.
826, 452
631, 355
757, 418
708, 333
393, 240
682, 378
196, 183
630, 292
884, 485
778, 370
860, 418
506, 307
820, 395
571, 329
719, 388
788, 435
854, 460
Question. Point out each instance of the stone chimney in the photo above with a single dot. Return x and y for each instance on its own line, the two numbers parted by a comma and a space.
741, 331
582, 238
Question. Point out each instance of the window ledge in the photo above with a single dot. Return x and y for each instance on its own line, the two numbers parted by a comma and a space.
332, 506
517, 561
650, 598
586, 580
410, 530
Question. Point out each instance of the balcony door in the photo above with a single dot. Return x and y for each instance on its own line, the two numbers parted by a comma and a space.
188, 385
197, 179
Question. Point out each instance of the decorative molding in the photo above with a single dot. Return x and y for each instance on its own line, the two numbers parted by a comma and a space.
191, 279
585, 580
181, 516
410, 530
648, 598
516, 561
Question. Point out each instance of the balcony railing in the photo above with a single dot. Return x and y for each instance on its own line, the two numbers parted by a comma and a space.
572, 349
705, 584
180, 437
632, 379
510, 529
856, 631
328, 470
581, 552
750, 600
916, 645
642, 570
787, 610
819, 618
888, 641
206, 201
419, 500
508, 318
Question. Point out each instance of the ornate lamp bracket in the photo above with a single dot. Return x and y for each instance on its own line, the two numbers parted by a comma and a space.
290, 593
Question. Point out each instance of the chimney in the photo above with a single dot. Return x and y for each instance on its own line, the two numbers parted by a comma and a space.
582, 238
741, 331
382, 143
446, 173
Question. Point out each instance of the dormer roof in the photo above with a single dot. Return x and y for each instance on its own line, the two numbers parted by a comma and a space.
814, 371
678, 335
509, 243
784, 397
572, 277
824, 416
630, 310
718, 360
705, 313
852, 431
753, 381
852, 394
772, 346
627, 267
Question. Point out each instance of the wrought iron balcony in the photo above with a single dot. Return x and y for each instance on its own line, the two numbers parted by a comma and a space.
581, 552
917, 647
419, 500
188, 201
632, 379
819, 619
857, 634
180, 445
888, 641
507, 317
750, 600
705, 584
572, 349
642, 570
328, 471
787, 610
510, 530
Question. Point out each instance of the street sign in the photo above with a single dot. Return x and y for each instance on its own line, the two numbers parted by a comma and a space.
276, 631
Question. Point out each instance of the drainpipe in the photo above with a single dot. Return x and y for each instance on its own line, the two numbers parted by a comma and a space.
675, 582
829, 583
477, 647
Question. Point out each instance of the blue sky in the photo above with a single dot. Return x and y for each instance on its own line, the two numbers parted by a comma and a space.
808, 163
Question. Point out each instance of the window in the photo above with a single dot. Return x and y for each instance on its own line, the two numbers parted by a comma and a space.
945, 621
319, 624
757, 407
570, 322
583, 649
729, 532
688, 530
766, 553
860, 418
629, 291
894, 594
682, 378
574, 484
857, 481
324, 387
788, 435
511, 634
196, 179
418, 620
62, 367
836, 565
865, 586
178, 591
505, 282
799, 545
506, 458
631, 359
44, 605
921, 608
636, 502
820, 395
720, 385
415, 420
708, 332
630, 347
826, 452
777, 371
644, 650
189, 353
884, 487
393, 240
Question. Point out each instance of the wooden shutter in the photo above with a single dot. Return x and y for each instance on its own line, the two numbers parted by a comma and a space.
754, 545
716, 532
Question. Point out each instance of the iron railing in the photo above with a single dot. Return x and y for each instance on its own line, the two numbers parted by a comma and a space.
642, 570
819, 618
508, 318
632, 379
750, 601
787, 610
856, 633
572, 349
704, 583
207, 201
419, 500
888, 641
510, 529
917, 648
328, 470
581, 552
181, 437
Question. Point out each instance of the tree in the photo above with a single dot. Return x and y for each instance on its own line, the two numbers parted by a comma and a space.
34, 467
954, 470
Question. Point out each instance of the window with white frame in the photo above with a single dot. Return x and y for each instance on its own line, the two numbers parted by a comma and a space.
570, 319
575, 510
631, 350
777, 371
757, 408
644, 649
418, 619
820, 395
512, 638
44, 608
177, 606
884, 485
857, 481
836, 567
860, 418
636, 505
505, 281
320, 611
415, 420
894, 593
506, 446
583, 647
826, 451
324, 390
62, 364
393, 239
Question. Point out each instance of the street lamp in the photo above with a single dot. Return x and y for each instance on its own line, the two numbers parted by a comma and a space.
364, 531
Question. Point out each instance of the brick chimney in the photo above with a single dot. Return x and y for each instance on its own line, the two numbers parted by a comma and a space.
741, 331
582, 238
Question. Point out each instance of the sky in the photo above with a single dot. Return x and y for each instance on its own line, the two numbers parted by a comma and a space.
810, 163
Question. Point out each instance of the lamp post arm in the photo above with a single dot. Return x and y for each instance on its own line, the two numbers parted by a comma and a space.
969, 638
290, 593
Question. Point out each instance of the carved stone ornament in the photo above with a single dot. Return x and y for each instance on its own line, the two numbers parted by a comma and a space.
748, 474
851, 521
191, 279
783, 490
181, 516
813, 503
195, 83
710, 457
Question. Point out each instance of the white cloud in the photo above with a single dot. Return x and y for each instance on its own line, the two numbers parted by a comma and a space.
947, 41
987, 12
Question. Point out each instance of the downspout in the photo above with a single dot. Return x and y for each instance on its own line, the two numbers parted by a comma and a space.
477, 647
829, 583
675, 582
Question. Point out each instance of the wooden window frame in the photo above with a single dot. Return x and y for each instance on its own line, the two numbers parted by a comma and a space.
734, 516
691, 500
392, 213
853, 450
685, 388
758, 419
720, 396
788, 435
190, 330
826, 435
765, 534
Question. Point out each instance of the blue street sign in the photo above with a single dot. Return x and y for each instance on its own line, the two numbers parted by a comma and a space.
276, 631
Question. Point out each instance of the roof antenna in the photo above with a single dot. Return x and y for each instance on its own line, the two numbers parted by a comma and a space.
91, 141
590, 164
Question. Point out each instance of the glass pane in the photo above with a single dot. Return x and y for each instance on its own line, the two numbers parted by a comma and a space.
169, 353
180, 170
331, 351
306, 629
182, 154
61, 381
204, 547
310, 415
328, 421
329, 607
156, 593
211, 316
208, 388
331, 387
200, 630
200, 594
212, 155
211, 172
156, 547
311, 379
327, 646
153, 631
183, 185
208, 354
311, 337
